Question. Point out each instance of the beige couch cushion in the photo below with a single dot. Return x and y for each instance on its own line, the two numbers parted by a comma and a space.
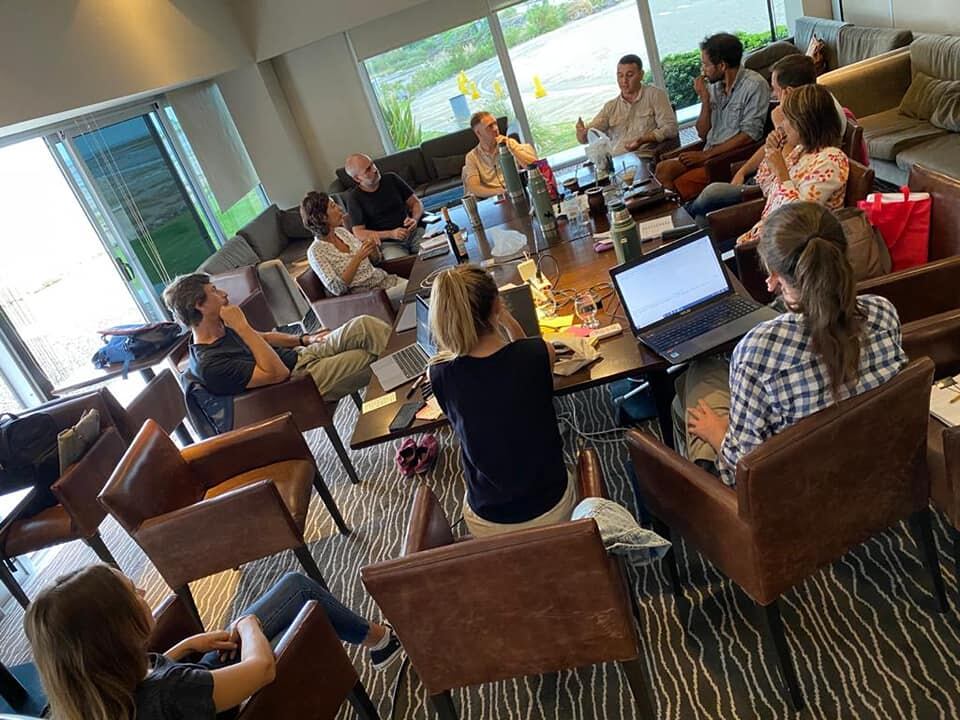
925, 96
263, 234
941, 154
859, 43
890, 132
937, 56
947, 114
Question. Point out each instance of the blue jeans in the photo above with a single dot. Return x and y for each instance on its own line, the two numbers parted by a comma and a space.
714, 197
280, 605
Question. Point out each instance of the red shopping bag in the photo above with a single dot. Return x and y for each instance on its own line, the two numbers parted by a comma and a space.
904, 221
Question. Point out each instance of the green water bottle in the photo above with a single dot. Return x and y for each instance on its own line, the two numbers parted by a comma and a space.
511, 177
624, 233
542, 204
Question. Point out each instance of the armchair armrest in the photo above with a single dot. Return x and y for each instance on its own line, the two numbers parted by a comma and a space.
308, 650
872, 85
919, 292
719, 167
297, 395
234, 453
335, 311
238, 526
698, 145
590, 474
399, 266
77, 489
729, 223
172, 623
428, 526
936, 337
751, 273
67, 411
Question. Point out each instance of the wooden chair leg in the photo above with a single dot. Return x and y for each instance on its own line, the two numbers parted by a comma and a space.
357, 400
362, 704
639, 688
955, 534
342, 453
774, 627
95, 542
673, 572
11, 584
310, 565
324, 492
443, 705
923, 534
186, 597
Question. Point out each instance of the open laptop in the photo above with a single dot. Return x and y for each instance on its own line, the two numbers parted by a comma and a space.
404, 365
680, 302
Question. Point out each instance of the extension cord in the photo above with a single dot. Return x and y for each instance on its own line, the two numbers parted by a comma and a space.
605, 332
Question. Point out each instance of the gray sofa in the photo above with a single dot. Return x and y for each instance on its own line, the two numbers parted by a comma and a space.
430, 169
276, 242
845, 43
908, 103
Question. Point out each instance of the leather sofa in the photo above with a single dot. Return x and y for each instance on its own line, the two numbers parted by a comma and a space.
906, 102
432, 168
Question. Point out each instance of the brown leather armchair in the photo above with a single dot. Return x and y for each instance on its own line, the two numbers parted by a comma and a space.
78, 515
243, 288
729, 223
938, 337
222, 502
334, 310
719, 166
522, 590
314, 674
792, 511
933, 287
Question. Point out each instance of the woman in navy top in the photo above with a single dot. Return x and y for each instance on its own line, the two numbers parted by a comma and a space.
498, 394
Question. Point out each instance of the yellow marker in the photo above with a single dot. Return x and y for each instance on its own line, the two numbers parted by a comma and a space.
474, 93
538, 89
462, 82
498, 90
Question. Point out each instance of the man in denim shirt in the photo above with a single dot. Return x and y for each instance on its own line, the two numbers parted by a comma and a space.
734, 102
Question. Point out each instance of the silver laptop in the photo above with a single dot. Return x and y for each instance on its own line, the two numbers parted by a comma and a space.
405, 365
680, 302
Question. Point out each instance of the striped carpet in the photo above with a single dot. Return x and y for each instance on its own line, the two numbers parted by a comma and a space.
866, 641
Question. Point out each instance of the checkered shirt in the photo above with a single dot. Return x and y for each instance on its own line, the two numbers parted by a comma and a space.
776, 379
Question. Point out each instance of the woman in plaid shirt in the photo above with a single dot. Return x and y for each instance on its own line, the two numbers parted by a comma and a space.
830, 345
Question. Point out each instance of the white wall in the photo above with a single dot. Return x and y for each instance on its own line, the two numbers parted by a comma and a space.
60, 55
322, 84
269, 132
936, 16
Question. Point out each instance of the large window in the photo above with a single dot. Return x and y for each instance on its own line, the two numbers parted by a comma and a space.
680, 27
561, 55
565, 56
431, 87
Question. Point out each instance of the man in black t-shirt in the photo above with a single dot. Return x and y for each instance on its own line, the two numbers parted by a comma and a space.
228, 356
383, 208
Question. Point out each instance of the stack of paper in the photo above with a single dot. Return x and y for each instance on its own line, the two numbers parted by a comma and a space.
945, 401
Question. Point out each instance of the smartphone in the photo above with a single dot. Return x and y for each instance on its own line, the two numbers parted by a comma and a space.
405, 415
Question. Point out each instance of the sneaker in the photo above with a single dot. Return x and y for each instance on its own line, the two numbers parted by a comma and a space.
388, 654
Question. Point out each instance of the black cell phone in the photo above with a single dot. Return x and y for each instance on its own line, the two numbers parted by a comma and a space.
405, 415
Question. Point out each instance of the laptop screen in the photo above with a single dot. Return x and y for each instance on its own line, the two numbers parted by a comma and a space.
424, 337
667, 283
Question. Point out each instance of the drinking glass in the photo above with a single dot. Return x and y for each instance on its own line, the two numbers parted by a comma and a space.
585, 306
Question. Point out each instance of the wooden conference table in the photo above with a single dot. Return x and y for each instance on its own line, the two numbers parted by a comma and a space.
580, 267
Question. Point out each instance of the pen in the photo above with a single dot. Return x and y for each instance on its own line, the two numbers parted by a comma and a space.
413, 388
954, 399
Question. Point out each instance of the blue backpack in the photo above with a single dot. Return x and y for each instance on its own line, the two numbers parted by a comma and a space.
126, 343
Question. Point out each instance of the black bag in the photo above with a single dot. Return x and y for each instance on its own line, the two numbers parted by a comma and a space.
126, 343
29, 457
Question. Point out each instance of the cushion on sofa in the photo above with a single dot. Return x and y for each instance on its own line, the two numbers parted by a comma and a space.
947, 113
827, 30
936, 55
458, 143
263, 234
235, 253
408, 164
890, 132
345, 180
859, 43
762, 59
941, 154
448, 167
925, 95
292, 226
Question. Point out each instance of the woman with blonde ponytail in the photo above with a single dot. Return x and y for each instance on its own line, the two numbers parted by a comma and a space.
831, 345
498, 393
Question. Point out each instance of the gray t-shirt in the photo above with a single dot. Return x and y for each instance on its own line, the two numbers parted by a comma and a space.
744, 110
175, 691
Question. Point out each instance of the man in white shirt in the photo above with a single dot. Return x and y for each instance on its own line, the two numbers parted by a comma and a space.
481, 167
639, 118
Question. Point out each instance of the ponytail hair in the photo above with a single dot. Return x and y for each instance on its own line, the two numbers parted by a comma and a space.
313, 213
804, 243
461, 304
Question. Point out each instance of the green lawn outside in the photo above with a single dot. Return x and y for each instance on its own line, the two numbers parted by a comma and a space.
180, 246
242, 212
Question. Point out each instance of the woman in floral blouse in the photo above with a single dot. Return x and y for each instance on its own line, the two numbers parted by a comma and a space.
338, 257
816, 169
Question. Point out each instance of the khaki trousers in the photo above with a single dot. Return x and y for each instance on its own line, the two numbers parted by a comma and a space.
340, 363
706, 379
479, 527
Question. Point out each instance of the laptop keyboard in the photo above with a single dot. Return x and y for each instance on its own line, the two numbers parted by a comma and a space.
412, 360
712, 317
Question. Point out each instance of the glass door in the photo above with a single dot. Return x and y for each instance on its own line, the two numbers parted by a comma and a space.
143, 192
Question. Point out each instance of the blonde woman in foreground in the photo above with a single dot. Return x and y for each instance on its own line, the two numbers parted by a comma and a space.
498, 394
89, 633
